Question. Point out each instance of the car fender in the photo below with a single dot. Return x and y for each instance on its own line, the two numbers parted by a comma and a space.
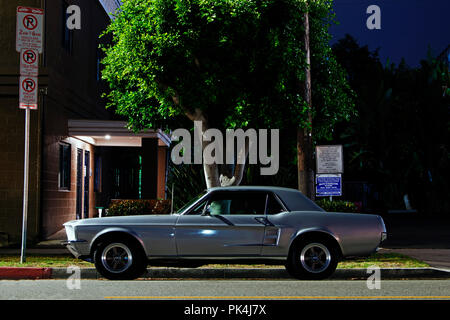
117, 229
323, 230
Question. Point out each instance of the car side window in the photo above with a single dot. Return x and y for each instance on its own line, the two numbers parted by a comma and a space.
237, 203
198, 210
273, 205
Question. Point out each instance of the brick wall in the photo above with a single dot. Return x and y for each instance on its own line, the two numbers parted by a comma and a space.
12, 127
59, 206
73, 93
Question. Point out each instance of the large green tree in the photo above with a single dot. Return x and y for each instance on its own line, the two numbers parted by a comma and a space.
227, 63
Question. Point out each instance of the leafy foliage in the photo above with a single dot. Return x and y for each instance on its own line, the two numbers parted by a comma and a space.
187, 182
138, 207
240, 62
400, 138
337, 206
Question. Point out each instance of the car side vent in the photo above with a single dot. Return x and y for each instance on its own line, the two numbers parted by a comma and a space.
271, 236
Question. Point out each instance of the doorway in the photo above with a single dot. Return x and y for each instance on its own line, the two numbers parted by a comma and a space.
79, 183
87, 175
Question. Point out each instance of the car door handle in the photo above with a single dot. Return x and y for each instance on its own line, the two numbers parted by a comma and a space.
264, 221
228, 222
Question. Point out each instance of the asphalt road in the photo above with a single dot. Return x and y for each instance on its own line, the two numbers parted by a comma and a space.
223, 289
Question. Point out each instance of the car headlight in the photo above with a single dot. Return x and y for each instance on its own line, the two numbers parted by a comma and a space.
70, 231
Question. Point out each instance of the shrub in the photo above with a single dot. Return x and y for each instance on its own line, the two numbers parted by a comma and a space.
138, 207
337, 205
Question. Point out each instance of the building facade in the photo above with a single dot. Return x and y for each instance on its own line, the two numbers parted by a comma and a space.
81, 155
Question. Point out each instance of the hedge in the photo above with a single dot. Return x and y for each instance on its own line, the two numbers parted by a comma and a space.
138, 207
337, 205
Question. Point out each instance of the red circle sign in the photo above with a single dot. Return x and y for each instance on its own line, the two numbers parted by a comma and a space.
29, 56
28, 85
30, 22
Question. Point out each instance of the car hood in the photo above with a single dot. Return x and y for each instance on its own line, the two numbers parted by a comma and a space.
145, 219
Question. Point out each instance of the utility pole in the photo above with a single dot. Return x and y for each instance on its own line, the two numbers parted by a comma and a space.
304, 135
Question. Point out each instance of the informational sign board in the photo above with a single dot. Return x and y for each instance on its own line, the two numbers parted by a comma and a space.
29, 63
328, 185
29, 29
329, 159
28, 93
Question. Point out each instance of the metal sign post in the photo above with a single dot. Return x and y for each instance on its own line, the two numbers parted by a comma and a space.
25, 185
29, 31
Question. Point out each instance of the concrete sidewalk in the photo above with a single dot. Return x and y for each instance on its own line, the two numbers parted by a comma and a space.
436, 258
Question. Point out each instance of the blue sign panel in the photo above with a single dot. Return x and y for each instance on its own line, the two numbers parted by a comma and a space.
328, 185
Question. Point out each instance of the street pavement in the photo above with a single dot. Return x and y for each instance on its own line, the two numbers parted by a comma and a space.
224, 290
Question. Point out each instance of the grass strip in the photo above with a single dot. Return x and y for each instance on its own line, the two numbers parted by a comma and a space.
381, 260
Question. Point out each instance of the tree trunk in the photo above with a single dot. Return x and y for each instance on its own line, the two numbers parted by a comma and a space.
232, 174
211, 171
304, 163
304, 135
240, 165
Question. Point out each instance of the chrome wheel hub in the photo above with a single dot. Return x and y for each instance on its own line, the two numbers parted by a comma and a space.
117, 258
315, 257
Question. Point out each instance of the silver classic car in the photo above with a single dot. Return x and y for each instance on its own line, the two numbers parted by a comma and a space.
233, 224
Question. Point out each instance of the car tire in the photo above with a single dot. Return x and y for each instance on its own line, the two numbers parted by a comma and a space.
119, 260
312, 259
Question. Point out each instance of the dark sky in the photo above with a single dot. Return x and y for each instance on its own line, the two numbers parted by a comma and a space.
408, 27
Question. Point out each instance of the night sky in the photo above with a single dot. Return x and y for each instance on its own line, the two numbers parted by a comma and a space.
408, 27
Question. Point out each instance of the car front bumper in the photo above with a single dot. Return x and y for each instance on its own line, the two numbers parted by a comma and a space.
79, 248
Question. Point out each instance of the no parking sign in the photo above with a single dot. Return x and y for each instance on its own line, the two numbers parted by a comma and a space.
29, 34
29, 28
29, 63
28, 87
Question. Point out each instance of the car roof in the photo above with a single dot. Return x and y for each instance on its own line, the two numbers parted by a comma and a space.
252, 188
293, 199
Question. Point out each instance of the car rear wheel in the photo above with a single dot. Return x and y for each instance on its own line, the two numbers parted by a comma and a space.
312, 259
119, 260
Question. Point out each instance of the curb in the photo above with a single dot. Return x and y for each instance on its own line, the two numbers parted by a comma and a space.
250, 273
25, 273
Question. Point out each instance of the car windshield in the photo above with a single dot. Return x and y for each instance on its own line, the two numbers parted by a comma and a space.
187, 205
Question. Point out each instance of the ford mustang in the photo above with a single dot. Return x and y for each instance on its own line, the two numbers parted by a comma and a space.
234, 224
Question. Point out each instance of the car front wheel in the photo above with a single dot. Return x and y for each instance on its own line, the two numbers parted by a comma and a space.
119, 260
312, 259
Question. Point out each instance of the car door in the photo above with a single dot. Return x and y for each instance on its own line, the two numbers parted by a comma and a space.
226, 224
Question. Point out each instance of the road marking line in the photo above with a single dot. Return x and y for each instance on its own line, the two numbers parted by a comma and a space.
279, 297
